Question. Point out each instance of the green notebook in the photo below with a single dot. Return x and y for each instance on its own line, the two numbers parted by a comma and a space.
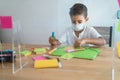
88, 53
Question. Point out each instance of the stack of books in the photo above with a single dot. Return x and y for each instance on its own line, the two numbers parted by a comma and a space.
7, 56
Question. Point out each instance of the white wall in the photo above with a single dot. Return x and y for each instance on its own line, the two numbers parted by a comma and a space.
39, 18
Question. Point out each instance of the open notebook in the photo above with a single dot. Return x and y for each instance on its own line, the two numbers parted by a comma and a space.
88, 53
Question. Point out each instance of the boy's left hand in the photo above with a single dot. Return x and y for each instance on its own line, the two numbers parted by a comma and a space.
79, 42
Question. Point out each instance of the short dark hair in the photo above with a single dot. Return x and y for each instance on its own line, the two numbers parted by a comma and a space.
78, 9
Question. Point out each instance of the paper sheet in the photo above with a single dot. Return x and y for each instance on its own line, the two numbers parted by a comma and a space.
67, 56
88, 53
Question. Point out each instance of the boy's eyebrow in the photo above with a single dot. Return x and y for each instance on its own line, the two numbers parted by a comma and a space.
77, 20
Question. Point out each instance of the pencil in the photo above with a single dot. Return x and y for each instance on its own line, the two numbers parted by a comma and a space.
52, 50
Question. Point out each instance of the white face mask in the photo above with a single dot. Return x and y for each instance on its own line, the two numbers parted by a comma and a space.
78, 27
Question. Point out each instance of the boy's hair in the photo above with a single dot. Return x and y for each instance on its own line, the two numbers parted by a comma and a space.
78, 9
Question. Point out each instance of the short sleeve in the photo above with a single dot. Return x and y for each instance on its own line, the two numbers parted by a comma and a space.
63, 38
67, 37
94, 33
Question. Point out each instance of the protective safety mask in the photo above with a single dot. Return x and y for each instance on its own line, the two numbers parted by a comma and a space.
78, 27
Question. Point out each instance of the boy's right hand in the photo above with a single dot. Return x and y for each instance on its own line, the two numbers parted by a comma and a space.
53, 41
79, 42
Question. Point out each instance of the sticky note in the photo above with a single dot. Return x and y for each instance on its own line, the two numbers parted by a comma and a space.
118, 26
51, 63
26, 52
67, 56
6, 22
39, 58
119, 3
118, 48
39, 50
118, 14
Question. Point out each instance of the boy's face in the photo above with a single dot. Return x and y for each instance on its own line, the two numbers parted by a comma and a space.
78, 19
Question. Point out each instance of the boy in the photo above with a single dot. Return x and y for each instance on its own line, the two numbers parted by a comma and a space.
79, 34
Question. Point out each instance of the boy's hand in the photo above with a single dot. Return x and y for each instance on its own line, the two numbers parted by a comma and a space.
53, 41
79, 42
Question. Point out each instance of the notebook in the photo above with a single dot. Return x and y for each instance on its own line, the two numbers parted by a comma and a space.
51, 63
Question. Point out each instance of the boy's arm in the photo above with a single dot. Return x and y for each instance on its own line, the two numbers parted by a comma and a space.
96, 41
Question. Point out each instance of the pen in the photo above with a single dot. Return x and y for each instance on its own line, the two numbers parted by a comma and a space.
112, 74
53, 35
59, 63
52, 50
47, 56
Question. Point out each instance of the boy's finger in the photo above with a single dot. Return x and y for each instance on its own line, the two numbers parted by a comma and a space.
50, 37
50, 40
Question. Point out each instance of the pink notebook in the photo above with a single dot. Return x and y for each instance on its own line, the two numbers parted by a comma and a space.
39, 58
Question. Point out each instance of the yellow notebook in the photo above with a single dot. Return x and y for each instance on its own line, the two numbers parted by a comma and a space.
118, 48
51, 63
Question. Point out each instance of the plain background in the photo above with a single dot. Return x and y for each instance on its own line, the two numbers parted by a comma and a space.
37, 19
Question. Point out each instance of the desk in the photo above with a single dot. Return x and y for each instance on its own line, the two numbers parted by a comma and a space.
74, 69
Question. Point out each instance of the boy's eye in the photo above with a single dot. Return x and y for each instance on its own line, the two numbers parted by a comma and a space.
80, 21
75, 22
